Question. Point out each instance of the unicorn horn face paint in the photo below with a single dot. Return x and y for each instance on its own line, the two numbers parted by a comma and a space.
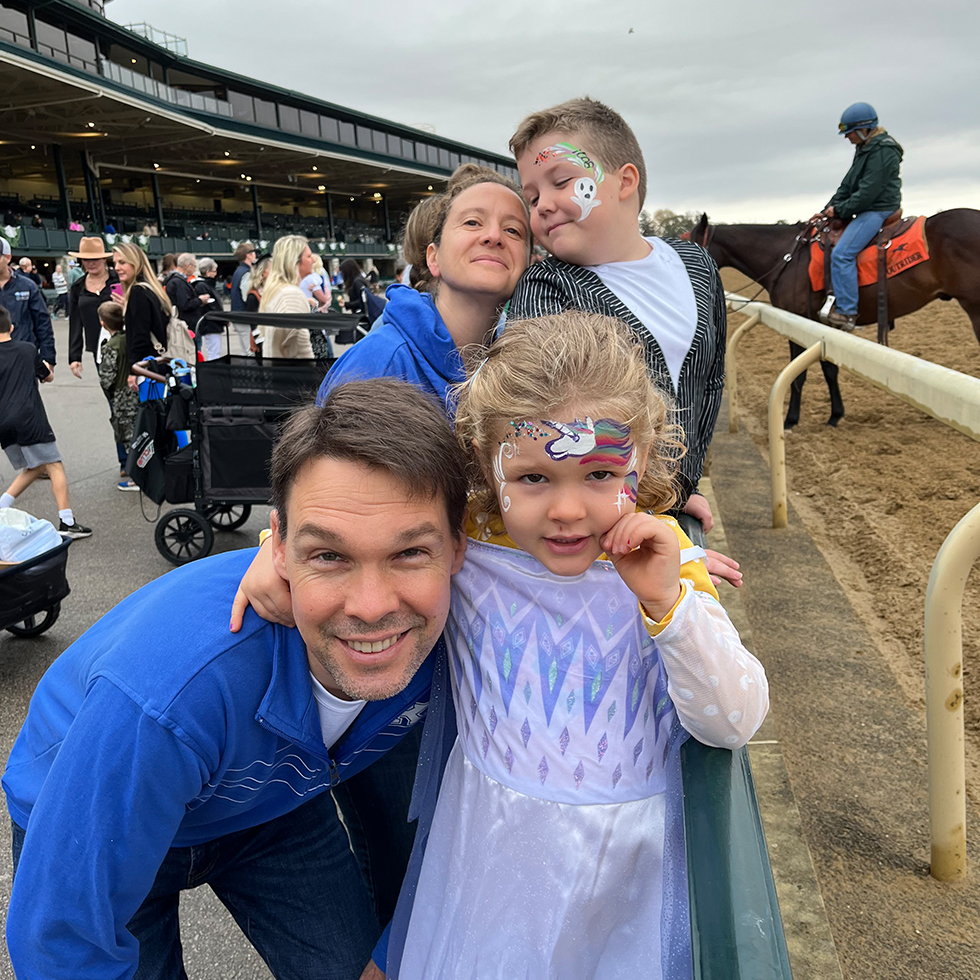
562, 484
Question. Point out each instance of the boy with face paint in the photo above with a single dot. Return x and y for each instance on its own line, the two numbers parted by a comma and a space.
584, 179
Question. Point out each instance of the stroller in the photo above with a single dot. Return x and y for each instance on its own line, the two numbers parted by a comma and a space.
31, 592
233, 410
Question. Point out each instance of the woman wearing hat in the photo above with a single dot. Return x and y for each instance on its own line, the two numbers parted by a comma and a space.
87, 293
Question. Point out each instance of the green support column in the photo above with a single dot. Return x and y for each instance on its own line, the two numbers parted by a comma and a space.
59, 169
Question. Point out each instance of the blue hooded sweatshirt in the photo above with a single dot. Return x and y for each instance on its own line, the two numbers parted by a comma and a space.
141, 737
410, 342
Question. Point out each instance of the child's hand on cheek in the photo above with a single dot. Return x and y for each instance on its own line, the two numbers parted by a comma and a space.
647, 556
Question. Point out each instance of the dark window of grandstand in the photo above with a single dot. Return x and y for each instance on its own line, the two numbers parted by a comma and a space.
453, 161
51, 40
364, 138
289, 118
241, 106
81, 53
193, 83
394, 146
432, 153
308, 123
347, 134
265, 113
328, 129
380, 142
444, 158
13, 26
129, 59
408, 149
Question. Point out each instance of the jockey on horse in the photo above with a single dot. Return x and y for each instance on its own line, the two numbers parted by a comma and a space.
870, 191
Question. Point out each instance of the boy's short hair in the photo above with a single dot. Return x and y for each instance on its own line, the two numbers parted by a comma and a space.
606, 132
243, 249
111, 314
6, 326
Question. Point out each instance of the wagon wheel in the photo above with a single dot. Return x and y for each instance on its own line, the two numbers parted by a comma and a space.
37, 623
183, 535
227, 517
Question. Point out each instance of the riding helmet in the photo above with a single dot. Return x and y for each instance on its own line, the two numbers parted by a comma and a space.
857, 116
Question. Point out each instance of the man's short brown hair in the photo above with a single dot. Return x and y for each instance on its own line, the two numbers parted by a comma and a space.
603, 130
243, 249
387, 425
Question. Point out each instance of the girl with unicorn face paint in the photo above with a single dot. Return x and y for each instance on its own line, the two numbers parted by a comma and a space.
586, 643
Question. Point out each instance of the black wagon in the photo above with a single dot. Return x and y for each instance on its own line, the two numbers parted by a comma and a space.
31, 592
233, 414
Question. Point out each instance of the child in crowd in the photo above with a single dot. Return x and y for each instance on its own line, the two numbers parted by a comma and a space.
583, 175
25, 433
586, 643
114, 378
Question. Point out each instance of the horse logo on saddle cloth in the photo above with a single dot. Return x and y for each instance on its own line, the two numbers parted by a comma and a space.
900, 245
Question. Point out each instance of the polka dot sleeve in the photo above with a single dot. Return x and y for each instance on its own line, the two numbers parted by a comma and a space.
719, 689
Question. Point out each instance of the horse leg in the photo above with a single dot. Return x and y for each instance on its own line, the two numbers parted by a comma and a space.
830, 372
795, 390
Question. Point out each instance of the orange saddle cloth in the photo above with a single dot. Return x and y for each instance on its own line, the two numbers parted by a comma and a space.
904, 252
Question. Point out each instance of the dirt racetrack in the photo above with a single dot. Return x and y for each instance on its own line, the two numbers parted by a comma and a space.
881, 491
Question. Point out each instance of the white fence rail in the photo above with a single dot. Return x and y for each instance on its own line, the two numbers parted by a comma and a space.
952, 398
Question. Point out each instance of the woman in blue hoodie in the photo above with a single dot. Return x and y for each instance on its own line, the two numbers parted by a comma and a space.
468, 247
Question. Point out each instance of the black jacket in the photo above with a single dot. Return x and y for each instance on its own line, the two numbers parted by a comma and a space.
183, 295
144, 321
206, 287
83, 315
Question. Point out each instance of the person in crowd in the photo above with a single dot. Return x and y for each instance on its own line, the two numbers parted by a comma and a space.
147, 231
870, 191
25, 433
583, 174
205, 285
75, 271
60, 284
97, 285
22, 299
110, 228
28, 269
253, 300
195, 755
179, 286
145, 305
292, 261
167, 265
360, 297
114, 372
76, 226
245, 254
36, 221
572, 459
371, 274
400, 266
317, 291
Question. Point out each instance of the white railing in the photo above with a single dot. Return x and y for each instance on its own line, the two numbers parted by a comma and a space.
952, 398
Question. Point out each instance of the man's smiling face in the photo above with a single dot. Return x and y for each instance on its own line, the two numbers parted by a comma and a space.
368, 567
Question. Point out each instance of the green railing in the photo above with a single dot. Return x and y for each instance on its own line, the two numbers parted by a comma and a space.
736, 928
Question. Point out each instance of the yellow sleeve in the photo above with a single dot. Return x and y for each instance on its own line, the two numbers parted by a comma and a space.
694, 570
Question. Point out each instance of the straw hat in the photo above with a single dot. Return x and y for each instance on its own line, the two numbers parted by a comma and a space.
91, 248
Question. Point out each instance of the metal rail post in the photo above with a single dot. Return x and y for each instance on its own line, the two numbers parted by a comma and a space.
777, 436
944, 697
731, 370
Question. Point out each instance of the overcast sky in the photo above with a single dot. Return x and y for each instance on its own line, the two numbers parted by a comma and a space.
735, 104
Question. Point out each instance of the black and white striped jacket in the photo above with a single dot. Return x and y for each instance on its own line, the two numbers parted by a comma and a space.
553, 286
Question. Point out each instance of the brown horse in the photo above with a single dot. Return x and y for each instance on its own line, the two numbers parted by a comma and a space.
777, 257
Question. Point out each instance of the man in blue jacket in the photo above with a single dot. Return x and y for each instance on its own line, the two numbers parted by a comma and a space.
161, 753
26, 306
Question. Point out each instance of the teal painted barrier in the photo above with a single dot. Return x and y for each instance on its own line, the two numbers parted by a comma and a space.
736, 928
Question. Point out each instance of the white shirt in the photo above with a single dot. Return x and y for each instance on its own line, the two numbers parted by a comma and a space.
658, 291
311, 282
336, 716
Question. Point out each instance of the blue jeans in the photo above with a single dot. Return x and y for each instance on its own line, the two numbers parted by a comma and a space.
843, 260
292, 884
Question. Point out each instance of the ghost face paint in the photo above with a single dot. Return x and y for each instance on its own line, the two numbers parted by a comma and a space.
562, 485
563, 184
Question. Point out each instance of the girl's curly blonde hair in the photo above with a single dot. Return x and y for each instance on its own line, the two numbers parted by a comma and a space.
580, 362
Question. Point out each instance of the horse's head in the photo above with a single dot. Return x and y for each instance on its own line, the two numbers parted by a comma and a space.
700, 232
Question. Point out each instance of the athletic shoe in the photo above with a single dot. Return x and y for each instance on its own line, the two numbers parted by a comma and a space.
126, 484
75, 530
842, 321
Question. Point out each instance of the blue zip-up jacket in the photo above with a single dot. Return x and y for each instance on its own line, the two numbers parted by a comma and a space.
145, 735
237, 303
409, 342
29, 314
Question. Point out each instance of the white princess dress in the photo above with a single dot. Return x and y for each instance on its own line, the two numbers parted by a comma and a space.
556, 850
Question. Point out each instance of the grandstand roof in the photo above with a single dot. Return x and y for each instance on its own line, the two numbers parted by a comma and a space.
73, 78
